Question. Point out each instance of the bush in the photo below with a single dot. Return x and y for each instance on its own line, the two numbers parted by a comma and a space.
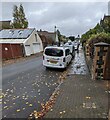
100, 37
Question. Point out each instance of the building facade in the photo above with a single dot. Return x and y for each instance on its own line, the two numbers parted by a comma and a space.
19, 42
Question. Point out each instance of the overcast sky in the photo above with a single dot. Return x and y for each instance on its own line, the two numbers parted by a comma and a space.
70, 18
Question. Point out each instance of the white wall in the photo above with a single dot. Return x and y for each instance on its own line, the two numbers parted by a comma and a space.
56, 37
32, 39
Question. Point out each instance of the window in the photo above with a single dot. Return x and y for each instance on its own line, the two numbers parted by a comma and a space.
36, 37
54, 52
67, 52
20, 32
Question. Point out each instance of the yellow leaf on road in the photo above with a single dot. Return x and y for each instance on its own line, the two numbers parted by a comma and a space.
18, 110
30, 105
23, 108
27, 103
88, 97
5, 107
60, 112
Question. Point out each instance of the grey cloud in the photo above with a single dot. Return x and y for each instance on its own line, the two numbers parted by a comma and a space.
70, 18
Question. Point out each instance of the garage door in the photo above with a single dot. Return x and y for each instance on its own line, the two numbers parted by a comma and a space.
36, 47
28, 50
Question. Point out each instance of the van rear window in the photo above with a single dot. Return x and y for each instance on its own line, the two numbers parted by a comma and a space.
54, 52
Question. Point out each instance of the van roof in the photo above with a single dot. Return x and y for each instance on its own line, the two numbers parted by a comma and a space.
62, 48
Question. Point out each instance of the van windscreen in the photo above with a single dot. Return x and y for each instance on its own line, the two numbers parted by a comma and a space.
54, 52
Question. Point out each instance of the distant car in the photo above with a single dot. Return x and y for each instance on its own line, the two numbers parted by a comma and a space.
76, 46
56, 57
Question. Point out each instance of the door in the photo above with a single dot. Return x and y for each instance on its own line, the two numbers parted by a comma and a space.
36, 47
67, 54
27, 50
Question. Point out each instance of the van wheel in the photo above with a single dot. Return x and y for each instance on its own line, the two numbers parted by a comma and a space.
47, 68
66, 65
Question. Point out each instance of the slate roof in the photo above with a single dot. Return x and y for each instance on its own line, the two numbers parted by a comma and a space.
16, 33
48, 35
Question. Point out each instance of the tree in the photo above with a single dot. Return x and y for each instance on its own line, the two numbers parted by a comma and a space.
59, 37
19, 19
100, 37
15, 23
72, 38
103, 26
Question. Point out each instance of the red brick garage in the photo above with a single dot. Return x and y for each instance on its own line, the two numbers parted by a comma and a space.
10, 51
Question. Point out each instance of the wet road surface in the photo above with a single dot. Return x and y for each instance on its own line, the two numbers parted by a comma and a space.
25, 86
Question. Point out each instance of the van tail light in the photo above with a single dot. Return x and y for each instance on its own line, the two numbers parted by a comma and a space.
64, 59
43, 57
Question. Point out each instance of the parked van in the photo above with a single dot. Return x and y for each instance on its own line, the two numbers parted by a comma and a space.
56, 57
72, 49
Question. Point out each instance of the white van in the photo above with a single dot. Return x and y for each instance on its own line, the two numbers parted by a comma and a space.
71, 47
56, 57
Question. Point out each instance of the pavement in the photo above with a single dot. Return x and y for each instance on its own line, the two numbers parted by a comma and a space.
80, 96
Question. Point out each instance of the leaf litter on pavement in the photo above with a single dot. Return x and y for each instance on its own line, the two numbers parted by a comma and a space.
49, 104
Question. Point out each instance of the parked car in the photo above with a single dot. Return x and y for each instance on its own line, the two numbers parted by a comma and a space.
72, 49
56, 57
76, 45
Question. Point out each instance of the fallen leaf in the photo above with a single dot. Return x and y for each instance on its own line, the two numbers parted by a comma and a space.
4, 102
38, 90
38, 101
46, 84
88, 97
30, 105
27, 103
5, 107
60, 112
64, 111
18, 110
24, 108
1, 96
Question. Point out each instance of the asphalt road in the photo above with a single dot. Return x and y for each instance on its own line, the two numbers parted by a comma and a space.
25, 85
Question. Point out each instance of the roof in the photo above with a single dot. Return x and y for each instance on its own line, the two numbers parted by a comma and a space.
62, 48
106, 17
15, 33
5, 24
43, 38
6, 21
48, 35
101, 44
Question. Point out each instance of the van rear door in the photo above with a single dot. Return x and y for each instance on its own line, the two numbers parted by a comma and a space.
53, 55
